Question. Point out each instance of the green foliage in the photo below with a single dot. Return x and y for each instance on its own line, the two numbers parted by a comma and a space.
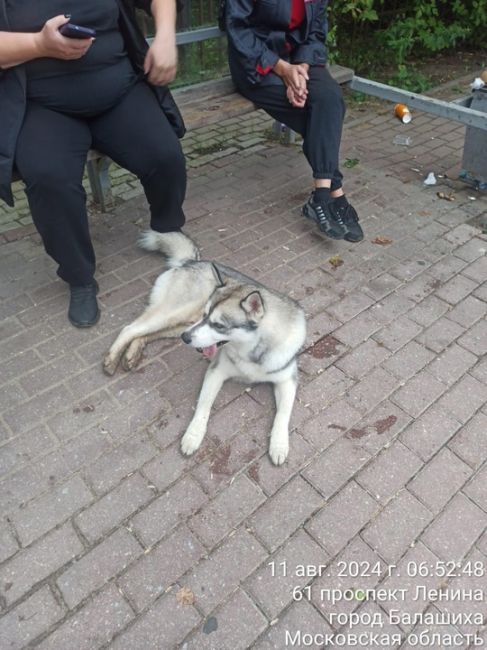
359, 10
201, 61
370, 34
357, 97
407, 77
351, 162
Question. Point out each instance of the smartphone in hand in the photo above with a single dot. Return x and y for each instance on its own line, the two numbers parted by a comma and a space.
75, 31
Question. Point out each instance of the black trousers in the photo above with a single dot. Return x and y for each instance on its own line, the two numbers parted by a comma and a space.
319, 122
51, 154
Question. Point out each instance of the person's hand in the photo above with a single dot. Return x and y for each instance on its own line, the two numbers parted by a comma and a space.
295, 76
51, 43
298, 101
161, 61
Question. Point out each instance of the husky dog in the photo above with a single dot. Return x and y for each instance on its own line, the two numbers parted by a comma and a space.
208, 305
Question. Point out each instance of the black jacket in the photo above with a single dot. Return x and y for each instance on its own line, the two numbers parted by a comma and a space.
13, 83
258, 33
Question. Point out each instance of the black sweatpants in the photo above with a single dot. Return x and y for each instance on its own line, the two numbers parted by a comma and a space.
51, 154
319, 122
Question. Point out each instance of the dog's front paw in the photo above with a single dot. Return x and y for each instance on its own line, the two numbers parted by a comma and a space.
109, 365
133, 354
278, 452
191, 440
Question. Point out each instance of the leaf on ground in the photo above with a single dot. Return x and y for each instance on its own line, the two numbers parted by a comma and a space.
382, 241
185, 596
351, 162
336, 261
446, 197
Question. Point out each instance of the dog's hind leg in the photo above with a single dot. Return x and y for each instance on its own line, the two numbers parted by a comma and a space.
152, 320
133, 352
284, 392
178, 297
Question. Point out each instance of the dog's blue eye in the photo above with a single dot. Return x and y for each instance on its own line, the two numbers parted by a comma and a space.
219, 327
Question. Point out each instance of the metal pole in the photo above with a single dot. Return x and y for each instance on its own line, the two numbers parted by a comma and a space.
448, 110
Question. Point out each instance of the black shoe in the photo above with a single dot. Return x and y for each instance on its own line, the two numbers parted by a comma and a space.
347, 216
83, 306
324, 216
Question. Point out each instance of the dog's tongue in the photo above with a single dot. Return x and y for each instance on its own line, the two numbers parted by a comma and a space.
210, 351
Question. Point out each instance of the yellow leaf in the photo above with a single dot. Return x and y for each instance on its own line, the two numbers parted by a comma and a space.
185, 596
382, 241
336, 261
447, 197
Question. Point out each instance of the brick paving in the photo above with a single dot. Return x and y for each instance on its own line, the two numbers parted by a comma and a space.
105, 526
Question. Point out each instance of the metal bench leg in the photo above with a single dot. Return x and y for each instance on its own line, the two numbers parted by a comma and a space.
287, 135
100, 182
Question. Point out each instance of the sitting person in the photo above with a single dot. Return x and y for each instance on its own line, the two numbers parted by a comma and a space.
61, 96
277, 59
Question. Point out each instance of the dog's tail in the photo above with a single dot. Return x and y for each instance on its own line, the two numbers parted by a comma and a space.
177, 247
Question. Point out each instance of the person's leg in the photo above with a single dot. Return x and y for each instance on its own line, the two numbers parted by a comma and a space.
326, 110
273, 99
137, 135
325, 113
50, 157
320, 123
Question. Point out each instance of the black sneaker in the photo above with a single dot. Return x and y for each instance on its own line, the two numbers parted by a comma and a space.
347, 216
83, 306
324, 216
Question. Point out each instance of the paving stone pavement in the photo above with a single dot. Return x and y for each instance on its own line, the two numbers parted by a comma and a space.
109, 538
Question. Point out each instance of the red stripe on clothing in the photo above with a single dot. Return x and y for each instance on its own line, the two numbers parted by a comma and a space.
262, 70
298, 13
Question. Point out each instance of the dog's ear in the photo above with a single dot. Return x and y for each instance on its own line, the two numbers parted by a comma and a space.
253, 305
219, 278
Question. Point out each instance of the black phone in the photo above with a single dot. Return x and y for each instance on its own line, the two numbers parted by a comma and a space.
75, 31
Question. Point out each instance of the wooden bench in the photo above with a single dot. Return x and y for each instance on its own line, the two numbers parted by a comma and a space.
214, 101
201, 104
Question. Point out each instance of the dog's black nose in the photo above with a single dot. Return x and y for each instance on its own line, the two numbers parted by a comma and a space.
186, 337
